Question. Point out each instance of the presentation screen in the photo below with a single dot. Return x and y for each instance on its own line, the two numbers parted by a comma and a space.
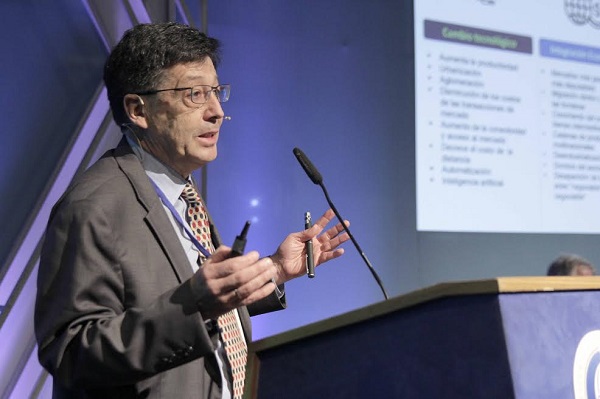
507, 116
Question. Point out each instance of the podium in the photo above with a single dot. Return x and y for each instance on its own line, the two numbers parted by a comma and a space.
510, 337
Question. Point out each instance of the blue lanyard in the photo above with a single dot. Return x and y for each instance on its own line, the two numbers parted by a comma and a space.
177, 217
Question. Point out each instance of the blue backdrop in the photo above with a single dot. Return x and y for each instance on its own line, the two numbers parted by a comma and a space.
334, 79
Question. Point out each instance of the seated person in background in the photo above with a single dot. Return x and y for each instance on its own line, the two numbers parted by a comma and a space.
571, 265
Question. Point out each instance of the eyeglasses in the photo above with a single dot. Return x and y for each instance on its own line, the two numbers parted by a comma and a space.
199, 94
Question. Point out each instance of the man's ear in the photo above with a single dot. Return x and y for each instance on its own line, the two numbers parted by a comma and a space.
136, 110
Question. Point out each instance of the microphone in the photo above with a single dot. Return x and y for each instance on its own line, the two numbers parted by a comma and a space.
308, 167
316, 178
227, 118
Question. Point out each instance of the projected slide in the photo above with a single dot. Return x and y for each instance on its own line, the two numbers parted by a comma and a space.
508, 116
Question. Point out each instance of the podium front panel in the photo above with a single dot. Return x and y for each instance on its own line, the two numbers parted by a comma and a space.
512, 343
448, 348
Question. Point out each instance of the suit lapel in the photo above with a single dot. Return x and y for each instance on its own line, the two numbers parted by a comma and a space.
160, 224
156, 217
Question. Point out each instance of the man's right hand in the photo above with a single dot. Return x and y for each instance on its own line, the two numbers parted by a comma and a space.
223, 283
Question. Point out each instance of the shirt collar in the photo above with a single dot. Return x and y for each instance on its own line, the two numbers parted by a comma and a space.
168, 181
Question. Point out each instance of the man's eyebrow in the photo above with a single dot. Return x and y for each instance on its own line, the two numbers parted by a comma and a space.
200, 77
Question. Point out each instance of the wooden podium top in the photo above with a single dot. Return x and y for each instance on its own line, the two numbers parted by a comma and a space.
500, 285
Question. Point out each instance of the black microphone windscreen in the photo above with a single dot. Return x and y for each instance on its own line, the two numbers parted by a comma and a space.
308, 167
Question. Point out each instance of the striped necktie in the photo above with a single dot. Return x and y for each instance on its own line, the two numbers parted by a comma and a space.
230, 329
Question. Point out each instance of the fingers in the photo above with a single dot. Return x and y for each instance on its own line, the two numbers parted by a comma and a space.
231, 273
325, 219
247, 285
332, 237
322, 222
224, 283
247, 294
220, 265
221, 253
335, 230
333, 243
326, 256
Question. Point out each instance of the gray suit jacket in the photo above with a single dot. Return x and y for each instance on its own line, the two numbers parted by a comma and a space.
115, 314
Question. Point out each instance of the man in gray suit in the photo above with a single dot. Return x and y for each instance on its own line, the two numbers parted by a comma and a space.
128, 300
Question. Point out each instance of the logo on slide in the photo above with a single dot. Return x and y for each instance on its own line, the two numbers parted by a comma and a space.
580, 12
586, 367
